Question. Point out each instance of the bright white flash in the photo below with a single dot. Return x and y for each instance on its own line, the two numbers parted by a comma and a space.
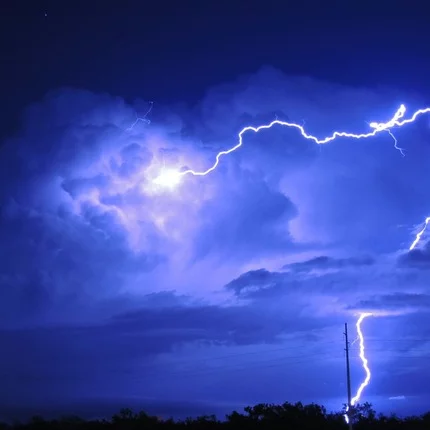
168, 178
419, 234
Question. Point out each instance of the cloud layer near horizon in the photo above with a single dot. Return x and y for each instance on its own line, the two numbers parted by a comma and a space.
116, 280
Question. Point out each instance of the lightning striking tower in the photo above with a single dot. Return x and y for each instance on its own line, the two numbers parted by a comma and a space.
363, 358
364, 362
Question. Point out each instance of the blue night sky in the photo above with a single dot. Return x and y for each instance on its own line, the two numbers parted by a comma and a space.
232, 288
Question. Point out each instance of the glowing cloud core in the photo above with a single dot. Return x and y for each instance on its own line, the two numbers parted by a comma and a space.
168, 178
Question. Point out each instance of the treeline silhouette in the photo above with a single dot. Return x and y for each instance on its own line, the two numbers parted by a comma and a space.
287, 416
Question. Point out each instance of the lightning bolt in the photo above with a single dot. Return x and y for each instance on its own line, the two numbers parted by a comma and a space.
419, 234
171, 177
363, 358
364, 362
397, 120
143, 118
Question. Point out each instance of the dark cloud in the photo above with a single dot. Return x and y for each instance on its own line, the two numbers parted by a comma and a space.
255, 280
127, 346
59, 259
395, 301
246, 222
106, 279
331, 271
210, 323
331, 284
257, 283
324, 262
416, 258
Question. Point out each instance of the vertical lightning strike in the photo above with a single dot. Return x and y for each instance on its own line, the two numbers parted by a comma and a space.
419, 234
364, 362
363, 358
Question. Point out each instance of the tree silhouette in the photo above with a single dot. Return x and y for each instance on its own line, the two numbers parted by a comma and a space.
287, 416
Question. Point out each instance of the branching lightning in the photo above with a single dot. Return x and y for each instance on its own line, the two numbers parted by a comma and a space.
171, 178
395, 121
142, 118
419, 234
364, 362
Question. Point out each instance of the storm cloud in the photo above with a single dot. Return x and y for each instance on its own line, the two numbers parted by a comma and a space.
111, 277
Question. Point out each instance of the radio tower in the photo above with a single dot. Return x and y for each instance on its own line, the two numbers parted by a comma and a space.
348, 378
